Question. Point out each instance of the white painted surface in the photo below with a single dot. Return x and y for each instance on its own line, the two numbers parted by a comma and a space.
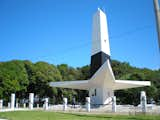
64, 104
1, 104
114, 104
16, 109
12, 101
17, 105
103, 80
9, 105
88, 104
24, 105
37, 105
46, 103
31, 100
103, 95
81, 84
100, 39
143, 101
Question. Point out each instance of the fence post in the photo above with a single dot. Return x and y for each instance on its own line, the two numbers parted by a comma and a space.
114, 104
12, 101
31, 100
46, 103
143, 102
64, 104
1, 104
88, 106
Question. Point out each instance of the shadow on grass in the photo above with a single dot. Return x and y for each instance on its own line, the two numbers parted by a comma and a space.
114, 117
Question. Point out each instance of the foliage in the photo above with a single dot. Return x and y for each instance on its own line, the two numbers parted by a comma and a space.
13, 78
23, 77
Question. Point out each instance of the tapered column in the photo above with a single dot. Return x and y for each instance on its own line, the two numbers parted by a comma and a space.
100, 54
100, 41
12, 101
31, 100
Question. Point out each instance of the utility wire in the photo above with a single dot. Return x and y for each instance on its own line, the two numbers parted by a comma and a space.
88, 43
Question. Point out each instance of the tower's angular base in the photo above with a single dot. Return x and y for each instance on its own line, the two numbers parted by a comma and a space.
101, 96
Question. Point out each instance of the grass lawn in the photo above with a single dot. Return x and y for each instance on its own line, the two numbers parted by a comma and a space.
43, 115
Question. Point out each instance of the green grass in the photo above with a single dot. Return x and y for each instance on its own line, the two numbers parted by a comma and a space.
42, 115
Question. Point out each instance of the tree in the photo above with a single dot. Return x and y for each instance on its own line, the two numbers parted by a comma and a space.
13, 78
40, 75
23, 77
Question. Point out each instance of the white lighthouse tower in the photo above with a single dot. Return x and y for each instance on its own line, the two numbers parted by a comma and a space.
102, 83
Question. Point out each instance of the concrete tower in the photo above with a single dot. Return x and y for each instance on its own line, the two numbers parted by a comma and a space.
102, 83
99, 55
100, 41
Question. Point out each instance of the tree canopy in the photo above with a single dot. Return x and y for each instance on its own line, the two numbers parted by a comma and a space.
23, 77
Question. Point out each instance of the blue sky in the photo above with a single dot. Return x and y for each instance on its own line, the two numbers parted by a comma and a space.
59, 31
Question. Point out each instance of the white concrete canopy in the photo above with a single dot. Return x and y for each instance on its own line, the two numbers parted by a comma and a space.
105, 81
96, 81
102, 84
